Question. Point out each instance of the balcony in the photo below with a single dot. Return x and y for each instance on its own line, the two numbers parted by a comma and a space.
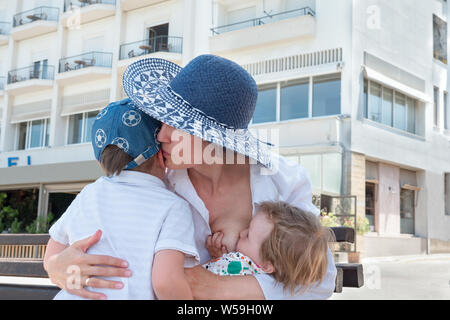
77, 12
5, 28
85, 67
128, 5
164, 47
34, 22
284, 26
30, 79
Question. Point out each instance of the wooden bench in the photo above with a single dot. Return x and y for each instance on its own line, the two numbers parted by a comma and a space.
21, 256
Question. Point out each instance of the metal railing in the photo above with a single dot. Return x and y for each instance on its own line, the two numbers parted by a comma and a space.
42, 72
5, 27
85, 60
71, 4
269, 18
155, 44
39, 13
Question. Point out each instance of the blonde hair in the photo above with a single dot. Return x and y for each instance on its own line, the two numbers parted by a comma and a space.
297, 246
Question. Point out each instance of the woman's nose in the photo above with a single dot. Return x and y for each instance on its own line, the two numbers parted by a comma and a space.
165, 133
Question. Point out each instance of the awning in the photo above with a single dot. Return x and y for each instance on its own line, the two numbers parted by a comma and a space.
398, 86
31, 111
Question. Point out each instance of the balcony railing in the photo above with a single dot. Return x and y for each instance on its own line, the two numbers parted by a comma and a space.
2, 83
45, 72
155, 44
40, 13
71, 4
85, 60
264, 20
5, 27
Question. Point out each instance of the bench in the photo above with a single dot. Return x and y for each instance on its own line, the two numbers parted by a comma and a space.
348, 274
22, 255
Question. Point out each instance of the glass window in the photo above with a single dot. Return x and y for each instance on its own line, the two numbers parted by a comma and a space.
326, 95
407, 211
89, 121
370, 205
411, 115
400, 111
75, 128
374, 111
313, 165
447, 192
47, 133
22, 136
266, 105
332, 172
387, 107
446, 112
294, 99
37, 133
436, 107
439, 39
366, 84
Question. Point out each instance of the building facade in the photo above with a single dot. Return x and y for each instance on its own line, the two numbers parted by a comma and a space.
356, 91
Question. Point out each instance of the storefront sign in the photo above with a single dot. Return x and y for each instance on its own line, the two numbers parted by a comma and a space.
13, 161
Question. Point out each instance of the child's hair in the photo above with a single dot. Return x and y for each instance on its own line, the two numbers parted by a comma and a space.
114, 160
297, 246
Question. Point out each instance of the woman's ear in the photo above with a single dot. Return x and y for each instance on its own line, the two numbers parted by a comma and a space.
267, 267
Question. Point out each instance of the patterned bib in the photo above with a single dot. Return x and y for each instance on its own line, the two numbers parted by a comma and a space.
233, 263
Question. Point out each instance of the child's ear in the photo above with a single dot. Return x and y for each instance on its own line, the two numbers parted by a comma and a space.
267, 267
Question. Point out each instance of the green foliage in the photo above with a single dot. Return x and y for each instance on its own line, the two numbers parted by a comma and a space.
8, 215
329, 219
40, 225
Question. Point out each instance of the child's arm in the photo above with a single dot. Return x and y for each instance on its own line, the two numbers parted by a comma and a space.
168, 278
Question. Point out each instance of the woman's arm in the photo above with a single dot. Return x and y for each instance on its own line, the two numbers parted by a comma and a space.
206, 285
168, 279
60, 258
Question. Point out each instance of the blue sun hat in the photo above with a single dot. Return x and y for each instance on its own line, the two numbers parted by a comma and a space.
212, 98
127, 127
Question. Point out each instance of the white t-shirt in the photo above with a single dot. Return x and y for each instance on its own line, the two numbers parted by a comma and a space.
290, 183
138, 217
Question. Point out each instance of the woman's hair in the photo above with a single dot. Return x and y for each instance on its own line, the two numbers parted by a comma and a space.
297, 246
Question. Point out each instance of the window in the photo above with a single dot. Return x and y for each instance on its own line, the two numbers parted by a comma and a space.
370, 204
326, 95
407, 205
436, 107
266, 104
80, 126
447, 193
446, 112
33, 134
389, 107
294, 99
439, 39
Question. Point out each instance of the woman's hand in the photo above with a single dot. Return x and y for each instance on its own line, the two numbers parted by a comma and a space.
70, 268
214, 245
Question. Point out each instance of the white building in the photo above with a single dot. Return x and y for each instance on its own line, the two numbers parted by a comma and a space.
357, 88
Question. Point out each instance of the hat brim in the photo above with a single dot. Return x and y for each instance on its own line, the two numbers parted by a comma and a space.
147, 84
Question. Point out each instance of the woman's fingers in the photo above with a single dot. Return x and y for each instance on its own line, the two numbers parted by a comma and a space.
104, 260
101, 283
217, 240
88, 242
208, 244
87, 294
106, 271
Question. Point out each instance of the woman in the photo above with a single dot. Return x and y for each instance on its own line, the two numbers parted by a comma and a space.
205, 109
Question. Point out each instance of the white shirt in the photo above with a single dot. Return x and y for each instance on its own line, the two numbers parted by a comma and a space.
138, 217
289, 183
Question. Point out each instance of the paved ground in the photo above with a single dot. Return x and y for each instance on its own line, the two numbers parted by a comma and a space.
410, 277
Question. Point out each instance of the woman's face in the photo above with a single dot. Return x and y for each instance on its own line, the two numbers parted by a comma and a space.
180, 149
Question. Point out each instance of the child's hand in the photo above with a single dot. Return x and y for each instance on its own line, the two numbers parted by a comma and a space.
214, 245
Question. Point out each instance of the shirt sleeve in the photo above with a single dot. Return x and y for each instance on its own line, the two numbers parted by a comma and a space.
275, 291
177, 233
60, 229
